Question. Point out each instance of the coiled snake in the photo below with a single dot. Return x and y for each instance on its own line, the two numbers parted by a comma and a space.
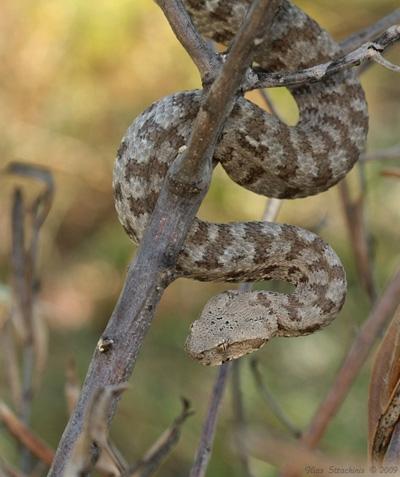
268, 157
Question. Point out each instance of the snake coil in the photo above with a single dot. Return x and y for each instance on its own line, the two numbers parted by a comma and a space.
268, 157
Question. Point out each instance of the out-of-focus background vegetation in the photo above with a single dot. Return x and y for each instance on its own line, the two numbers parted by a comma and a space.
73, 75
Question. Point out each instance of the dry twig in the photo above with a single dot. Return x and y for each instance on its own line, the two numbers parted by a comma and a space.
204, 450
24, 261
6, 470
201, 52
302, 461
240, 424
369, 51
93, 441
391, 172
354, 215
271, 401
11, 368
25, 435
160, 450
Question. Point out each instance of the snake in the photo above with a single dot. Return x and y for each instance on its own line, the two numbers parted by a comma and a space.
265, 155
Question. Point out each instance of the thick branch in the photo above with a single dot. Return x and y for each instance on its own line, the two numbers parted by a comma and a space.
184, 188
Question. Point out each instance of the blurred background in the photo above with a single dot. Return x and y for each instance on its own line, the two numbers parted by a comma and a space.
73, 75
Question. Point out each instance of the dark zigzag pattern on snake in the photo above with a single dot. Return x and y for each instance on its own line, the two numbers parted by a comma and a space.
268, 157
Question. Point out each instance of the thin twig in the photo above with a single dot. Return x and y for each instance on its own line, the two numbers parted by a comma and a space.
161, 449
204, 450
299, 459
6, 470
93, 443
271, 401
25, 435
11, 368
369, 51
378, 58
23, 296
24, 261
382, 154
239, 418
21, 268
185, 186
391, 172
354, 215
207, 61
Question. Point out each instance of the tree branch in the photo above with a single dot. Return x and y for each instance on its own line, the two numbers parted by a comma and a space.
203, 56
25, 436
353, 210
369, 51
185, 186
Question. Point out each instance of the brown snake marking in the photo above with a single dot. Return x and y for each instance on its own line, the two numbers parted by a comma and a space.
268, 157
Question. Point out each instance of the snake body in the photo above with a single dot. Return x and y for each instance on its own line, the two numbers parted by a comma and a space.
266, 156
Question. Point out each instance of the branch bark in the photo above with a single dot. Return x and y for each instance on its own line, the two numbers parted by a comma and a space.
369, 51
151, 272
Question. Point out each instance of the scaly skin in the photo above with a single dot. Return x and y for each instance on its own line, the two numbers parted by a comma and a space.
266, 156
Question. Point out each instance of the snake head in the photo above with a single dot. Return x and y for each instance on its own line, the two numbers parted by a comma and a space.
227, 329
